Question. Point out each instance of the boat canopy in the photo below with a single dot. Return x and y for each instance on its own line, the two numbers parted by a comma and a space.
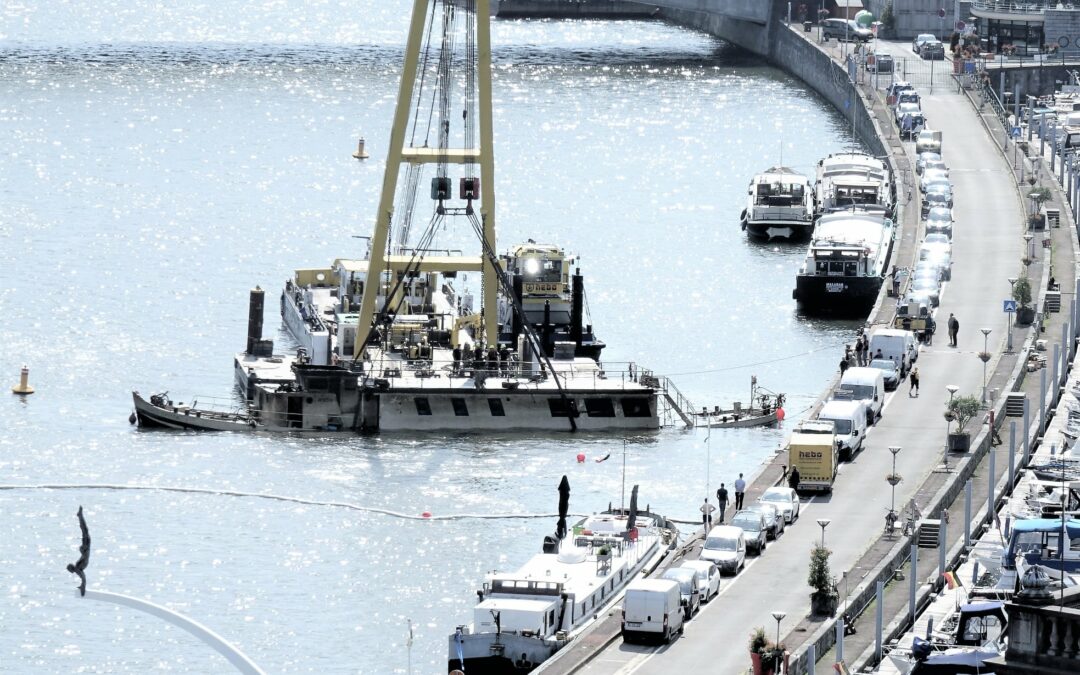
1072, 527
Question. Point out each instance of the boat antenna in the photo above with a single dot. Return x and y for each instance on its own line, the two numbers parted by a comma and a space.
622, 496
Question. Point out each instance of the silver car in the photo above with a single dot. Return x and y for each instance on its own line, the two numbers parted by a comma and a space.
930, 287
785, 499
939, 221
753, 526
774, 520
889, 370
935, 198
924, 159
689, 583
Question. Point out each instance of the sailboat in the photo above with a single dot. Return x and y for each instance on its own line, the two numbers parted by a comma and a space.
396, 342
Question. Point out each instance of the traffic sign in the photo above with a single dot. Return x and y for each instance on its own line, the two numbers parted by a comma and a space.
1016, 132
1009, 306
941, 13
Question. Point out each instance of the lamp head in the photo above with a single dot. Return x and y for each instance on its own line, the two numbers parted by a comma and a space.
823, 522
894, 449
1028, 237
779, 616
985, 331
1012, 280
952, 389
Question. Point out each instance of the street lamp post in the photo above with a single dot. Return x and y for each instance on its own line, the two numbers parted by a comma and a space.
779, 616
895, 450
823, 522
984, 356
1029, 238
1008, 343
952, 389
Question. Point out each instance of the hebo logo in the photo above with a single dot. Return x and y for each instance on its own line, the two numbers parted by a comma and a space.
803, 454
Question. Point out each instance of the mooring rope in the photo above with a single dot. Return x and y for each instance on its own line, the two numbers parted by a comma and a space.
281, 498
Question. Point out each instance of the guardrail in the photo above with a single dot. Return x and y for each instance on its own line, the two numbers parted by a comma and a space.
1017, 7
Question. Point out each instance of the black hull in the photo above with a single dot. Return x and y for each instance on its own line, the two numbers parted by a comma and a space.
837, 295
490, 665
794, 231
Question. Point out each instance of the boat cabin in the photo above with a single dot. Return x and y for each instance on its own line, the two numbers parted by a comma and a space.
1039, 542
778, 193
840, 261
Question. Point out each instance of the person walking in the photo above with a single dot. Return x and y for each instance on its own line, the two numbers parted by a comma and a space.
843, 367
722, 501
793, 479
954, 329
914, 375
706, 515
740, 492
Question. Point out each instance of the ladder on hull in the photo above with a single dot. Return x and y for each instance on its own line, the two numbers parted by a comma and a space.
675, 400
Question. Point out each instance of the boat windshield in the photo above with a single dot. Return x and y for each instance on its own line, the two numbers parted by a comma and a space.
720, 544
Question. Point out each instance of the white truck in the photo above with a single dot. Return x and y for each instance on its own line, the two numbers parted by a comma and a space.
652, 610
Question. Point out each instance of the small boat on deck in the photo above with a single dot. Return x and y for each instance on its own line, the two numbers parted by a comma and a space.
160, 411
780, 204
766, 407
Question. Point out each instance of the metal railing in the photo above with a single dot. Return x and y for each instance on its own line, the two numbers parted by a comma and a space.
1017, 6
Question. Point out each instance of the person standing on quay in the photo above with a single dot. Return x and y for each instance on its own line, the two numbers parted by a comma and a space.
914, 375
793, 479
722, 501
706, 515
740, 491
954, 328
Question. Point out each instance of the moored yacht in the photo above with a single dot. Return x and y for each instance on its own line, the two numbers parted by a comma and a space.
780, 204
846, 261
853, 179
524, 617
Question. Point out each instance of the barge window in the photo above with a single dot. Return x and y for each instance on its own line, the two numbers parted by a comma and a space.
635, 406
423, 406
496, 407
560, 407
599, 407
461, 409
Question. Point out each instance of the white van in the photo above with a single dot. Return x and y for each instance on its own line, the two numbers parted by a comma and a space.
652, 609
867, 385
898, 346
849, 419
725, 547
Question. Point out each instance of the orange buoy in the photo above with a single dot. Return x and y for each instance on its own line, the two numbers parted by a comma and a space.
581, 457
780, 414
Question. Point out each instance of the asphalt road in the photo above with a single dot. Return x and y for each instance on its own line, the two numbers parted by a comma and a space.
987, 249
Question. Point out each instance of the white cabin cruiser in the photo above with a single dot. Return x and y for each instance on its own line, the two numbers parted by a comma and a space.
780, 203
853, 179
524, 617
846, 261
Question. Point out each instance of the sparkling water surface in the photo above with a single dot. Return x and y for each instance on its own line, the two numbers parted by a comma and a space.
159, 160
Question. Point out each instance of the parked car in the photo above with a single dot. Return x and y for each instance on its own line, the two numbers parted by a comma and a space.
932, 176
930, 287
938, 241
753, 526
785, 499
938, 258
924, 158
934, 165
932, 50
928, 141
774, 520
709, 581
845, 29
879, 63
939, 221
920, 40
650, 611
726, 548
894, 89
688, 581
905, 108
889, 368
935, 198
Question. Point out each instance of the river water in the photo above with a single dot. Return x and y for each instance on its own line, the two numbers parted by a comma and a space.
160, 159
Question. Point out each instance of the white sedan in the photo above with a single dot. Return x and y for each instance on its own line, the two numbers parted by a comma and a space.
709, 579
784, 499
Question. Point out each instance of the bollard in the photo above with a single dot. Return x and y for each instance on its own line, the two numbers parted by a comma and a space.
943, 543
811, 659
23, 388
975, 574
1055, 381
990, 498
1012, 455
1042, 403
914, 581
1063, 374
967, 513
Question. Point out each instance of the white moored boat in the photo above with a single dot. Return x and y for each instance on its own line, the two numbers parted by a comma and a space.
780, 204
853, 179
524, 617
846, 262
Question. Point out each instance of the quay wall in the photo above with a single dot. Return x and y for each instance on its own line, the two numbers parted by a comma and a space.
1037, 79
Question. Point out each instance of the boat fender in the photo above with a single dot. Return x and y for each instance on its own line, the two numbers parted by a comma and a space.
581, 458
132, 418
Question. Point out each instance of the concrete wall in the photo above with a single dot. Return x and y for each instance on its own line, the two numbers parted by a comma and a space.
1034, 80
1060, 23
568, 9
919, 16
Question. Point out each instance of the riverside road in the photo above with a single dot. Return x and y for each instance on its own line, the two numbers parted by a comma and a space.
987, 248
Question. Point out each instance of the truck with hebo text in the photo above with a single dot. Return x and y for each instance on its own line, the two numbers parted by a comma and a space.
812, 450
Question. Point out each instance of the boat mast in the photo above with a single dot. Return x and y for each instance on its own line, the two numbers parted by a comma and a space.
397, 154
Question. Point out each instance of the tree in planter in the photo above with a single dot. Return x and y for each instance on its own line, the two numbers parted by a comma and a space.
961, 409
824, 598
760, 650
1021, 293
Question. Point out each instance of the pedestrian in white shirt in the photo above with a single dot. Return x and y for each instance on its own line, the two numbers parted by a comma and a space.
740, 491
